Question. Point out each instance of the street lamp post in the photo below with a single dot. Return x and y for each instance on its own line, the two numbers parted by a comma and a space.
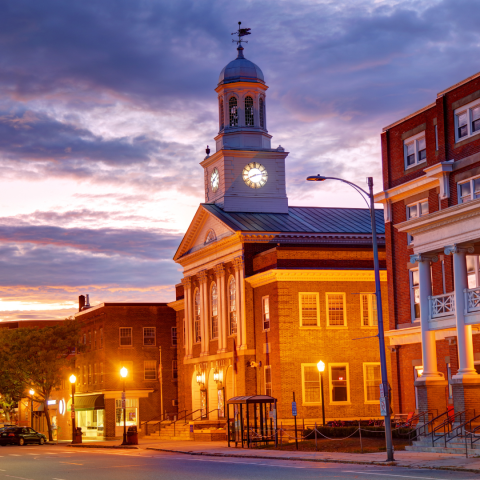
73, 379
124, 373
321, 368
32, 393
378, 293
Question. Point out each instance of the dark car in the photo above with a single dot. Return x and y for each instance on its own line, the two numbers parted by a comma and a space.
21, 436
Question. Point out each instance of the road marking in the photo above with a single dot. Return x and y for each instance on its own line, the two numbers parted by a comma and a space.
70, 463
23, 478
251, 463
389, 475
57, 479
14, 455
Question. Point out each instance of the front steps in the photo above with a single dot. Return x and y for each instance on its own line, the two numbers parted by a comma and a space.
168, 431
457, 445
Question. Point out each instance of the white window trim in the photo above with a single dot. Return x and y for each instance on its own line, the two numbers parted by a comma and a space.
417, 204
317, 296
472, 190
412, 297
345, 325
373, 298
155, 338
303, 365
267, 367
365, 365
465, 108
131, 337
330, 385
263, 313
408, 141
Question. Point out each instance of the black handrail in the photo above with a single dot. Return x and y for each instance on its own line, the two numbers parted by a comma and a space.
201, 416
460, 429
417, 431
447, 423
155, 418
474, 434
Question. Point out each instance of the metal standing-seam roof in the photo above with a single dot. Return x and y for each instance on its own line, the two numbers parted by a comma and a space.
302, 220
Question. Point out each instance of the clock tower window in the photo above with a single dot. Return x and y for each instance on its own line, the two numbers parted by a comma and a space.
233, 110
249, 122
222, 116
262, 113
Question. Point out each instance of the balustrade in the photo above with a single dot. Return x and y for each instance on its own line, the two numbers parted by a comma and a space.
472, 299
442, 305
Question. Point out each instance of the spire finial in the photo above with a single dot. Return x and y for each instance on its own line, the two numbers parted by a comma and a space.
242, 32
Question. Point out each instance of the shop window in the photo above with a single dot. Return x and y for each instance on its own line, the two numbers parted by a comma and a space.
149, 336
336, 310
339, 386
309, 310
372, 378
368, 302
266, 313
150, 369
268, 380
131, 407
311, 384
125, 337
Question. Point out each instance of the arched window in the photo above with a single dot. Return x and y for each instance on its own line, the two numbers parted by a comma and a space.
232, 306
214, 303
232, 104
262, 113
210, 236
196, 322
249, 112
222, 116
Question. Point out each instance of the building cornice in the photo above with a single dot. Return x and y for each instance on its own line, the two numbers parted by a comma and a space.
235, 85
388, 127
276, 275
242, 153
177, 305
406, 189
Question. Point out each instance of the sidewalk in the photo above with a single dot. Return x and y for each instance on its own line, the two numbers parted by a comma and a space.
219, 449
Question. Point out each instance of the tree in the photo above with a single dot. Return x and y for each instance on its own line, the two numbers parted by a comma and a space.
41, 358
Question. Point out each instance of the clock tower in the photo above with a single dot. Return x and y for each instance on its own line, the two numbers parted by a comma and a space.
244, 174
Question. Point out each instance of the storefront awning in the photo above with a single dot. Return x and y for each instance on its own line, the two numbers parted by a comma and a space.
89, 402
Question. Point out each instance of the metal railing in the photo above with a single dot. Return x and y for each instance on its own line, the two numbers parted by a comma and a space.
161, 418
442, 305
461, 430
425, 429
472, 299
447, 427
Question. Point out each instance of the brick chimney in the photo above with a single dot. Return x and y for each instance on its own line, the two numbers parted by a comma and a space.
81, 302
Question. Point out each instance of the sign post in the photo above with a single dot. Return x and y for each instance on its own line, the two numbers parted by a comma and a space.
294, 414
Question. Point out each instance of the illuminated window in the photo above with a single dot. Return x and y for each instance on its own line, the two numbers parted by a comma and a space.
339, 386
174, 337
214, 303
174, 369
125, 337
249, 121
84, 374
131, 411
233, 111
150, 370
311, 384
232, 304
101, 372
368, 302
149, 336
372, 377
415, 150
309, 310
268, 380
89, 374
222, 115
414, 294
266, 313
95, 373
196, 323
262, 112
336, 310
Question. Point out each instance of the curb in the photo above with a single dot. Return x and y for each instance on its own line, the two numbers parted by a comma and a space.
318, 460
126, 447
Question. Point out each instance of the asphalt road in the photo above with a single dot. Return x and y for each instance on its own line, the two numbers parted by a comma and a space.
58, 462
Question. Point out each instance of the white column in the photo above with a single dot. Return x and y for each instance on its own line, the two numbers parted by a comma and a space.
464, 332
429, 347
241, 312
220, 276
187, 285
204, 311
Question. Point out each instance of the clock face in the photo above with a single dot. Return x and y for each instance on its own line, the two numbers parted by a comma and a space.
215, 179
255, 175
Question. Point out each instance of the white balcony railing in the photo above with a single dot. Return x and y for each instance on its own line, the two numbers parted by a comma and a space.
472, 299
442, 305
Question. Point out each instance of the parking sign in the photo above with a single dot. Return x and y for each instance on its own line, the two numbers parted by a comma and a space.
294, 409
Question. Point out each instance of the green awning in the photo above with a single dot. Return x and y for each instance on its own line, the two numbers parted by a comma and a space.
89, 402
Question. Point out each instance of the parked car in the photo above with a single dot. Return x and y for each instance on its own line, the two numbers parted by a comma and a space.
21, 436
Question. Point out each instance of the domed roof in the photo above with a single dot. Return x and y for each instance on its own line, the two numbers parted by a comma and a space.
241, 70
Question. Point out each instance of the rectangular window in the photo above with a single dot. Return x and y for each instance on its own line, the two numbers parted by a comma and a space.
90, 374
336, 310
473, 272
339, 387
95, 340
462, 128
415, 210
90, 340
368, 302
150, 370
311, 384
436, 137
125, 337
266, 313
469, 190
309, 310
149, 336
415, 150
84, 374
131, 410
414, 294
174, 336
101, 372
101, 337
467, 121
174, 369
372, 377
268, 380
84, 338
95, 378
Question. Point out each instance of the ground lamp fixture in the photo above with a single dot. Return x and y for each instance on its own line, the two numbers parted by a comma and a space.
73, 380
381, 339
321, 369
32, 393
124, 373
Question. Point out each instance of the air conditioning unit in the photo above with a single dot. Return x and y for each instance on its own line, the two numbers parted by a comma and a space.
175, 403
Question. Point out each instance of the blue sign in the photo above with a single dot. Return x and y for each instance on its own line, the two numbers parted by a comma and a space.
294, 409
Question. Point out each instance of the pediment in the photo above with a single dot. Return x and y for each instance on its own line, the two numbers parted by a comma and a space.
203, 224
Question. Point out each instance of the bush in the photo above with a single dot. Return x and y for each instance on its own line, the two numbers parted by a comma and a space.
342, 432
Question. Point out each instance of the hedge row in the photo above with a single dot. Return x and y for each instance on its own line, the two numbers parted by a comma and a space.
342, 432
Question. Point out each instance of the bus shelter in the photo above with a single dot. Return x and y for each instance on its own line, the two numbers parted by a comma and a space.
252, 419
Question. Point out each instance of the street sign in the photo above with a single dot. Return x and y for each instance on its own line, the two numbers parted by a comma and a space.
73, 414
123, 395
294, 409
73, 408
382, 393
383, 406
123, 403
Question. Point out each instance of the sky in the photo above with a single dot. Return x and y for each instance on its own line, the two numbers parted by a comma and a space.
106, 109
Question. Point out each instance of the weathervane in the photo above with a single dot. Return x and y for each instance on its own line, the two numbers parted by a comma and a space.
242, 32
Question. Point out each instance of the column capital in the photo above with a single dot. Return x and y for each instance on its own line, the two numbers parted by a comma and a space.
219, 270
455, 248
202, 276
187, 282
420, 257
238, 263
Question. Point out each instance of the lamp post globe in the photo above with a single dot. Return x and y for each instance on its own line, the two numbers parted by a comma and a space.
123, 374
321, 369
321, 366
32, 393
72, 378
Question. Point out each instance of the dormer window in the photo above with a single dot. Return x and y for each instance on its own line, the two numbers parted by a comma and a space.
210, 237
233, 111
415, 150
249, 121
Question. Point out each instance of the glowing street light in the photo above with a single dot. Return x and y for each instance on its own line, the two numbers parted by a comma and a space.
321, 369
73, 380
123, 374
32, 393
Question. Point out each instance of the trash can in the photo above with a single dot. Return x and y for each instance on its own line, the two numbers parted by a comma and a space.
78, 435
132, 435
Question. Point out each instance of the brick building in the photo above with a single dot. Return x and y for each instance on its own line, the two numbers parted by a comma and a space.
431, 198
269, 290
